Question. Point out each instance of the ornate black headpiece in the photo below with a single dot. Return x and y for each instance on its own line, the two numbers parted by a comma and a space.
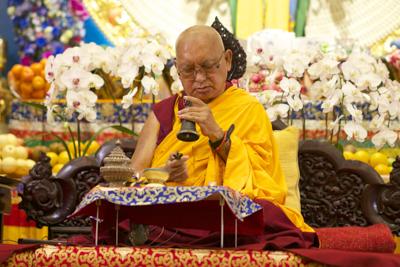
238, 54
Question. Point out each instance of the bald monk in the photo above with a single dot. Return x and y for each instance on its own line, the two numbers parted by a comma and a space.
246, 161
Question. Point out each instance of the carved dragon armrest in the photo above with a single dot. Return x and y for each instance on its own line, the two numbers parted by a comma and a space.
49, 199
382, 201
331, 187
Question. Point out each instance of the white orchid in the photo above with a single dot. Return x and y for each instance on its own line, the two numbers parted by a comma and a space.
295, 102
80, 79
295, 64
355, 131
350, 71
270, 96
334, 125
353, 94
290, 86
377, 122
324, 69
277, 111
128, 73
150, 85
381, 70
83, 103
176, 85
368, 80
332, 101
128, 98
355, 113
342, 81
385, 136
76, 56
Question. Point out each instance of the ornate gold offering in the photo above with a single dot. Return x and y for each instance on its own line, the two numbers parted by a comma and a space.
3, 54
156, 175
116, 169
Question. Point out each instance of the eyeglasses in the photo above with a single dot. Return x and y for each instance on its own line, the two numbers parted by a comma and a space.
190, 72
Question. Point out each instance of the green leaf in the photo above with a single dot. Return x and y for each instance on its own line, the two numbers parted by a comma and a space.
94, 137
116, 127
35, 105
73, 141
64, 144
124, 130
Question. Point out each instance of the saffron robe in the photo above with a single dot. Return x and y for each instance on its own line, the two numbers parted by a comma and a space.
252, 166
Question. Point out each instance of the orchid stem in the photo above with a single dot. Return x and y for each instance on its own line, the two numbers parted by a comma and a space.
78, 125
73, 140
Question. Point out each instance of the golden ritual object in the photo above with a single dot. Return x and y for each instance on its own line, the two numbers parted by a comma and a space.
3, 54
116, 169
155, 175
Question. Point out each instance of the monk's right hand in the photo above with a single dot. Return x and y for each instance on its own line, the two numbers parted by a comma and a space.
177, 168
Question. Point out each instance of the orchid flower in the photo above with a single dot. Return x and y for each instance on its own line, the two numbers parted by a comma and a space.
290, 86
150, 85
355, 131
334, 126
277, 111
127, 99
385, 136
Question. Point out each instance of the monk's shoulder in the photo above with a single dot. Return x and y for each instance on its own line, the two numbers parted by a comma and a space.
246, 99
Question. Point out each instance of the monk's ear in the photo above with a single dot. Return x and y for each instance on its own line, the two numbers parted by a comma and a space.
228, 59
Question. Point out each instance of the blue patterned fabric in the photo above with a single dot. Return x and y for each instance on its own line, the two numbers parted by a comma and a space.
241, 206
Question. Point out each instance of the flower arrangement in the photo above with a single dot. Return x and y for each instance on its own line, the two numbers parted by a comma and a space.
340, 78
44, 28
77, 73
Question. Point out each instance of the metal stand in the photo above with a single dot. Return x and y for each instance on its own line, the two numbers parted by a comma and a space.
222, 204
98, 203
235, 233
116, 224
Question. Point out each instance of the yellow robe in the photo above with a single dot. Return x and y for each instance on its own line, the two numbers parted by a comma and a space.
252, 167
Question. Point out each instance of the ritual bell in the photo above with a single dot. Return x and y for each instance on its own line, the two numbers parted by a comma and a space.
188, 131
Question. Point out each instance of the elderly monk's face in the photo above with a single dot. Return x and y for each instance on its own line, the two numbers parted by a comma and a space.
203, 68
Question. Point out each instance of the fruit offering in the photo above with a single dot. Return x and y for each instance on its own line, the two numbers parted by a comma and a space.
29, 81
14, 160
378, 160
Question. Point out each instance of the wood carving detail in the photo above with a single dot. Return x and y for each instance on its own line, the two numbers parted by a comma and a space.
48, 200
86, 180
40, 191
383, 201
330, 187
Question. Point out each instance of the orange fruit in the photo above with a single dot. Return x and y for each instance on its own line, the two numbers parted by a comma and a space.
16, 70
43, 74
25, 88
27, 74
25, 95
39, 94
43, 62
47, 87
38, 83
37, 68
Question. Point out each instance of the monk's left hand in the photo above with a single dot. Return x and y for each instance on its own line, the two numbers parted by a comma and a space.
200, 113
